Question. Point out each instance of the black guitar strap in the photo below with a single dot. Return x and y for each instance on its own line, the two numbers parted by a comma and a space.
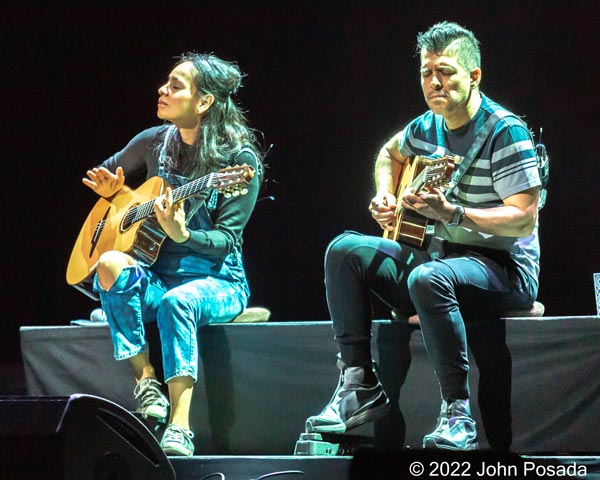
480, 138
210, 197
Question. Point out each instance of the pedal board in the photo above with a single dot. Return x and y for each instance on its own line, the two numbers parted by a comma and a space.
331, 444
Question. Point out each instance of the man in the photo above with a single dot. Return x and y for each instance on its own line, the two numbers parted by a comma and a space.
483, 258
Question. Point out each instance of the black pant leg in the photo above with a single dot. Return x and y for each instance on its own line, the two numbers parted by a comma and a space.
393, 345
356, 268
487, 343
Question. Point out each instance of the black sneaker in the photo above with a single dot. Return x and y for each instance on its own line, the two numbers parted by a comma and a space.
455, 430
353, 403
151, 400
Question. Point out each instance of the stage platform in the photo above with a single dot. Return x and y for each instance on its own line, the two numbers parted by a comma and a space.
259, 382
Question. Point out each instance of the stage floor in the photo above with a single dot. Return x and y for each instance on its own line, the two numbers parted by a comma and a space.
261, 381
382, 465
255, 467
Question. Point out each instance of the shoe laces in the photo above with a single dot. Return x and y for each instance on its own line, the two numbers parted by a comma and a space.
452, 415
457, 408
175, 433
147, 392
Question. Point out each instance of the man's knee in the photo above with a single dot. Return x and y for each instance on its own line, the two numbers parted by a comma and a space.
424, 276
431, 282
343, 247
343, 243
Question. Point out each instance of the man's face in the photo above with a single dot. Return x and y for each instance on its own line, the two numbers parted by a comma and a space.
447, 86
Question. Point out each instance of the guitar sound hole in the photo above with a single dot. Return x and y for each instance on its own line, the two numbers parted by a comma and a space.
128, 219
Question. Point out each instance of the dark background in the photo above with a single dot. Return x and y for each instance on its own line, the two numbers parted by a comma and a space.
328, 82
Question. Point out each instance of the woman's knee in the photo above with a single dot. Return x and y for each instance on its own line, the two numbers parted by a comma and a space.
177, 306
114, 259
110, 265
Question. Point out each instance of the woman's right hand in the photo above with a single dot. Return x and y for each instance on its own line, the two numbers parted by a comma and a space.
103, 182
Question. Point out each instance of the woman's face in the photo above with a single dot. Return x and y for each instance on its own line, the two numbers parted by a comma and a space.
178, 101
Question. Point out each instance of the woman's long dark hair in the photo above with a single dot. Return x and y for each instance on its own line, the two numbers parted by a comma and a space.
224, 129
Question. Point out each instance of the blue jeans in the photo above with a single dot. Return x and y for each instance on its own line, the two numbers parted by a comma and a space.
179, 305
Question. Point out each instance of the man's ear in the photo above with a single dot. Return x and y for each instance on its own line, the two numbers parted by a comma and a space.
204, 103
475, 77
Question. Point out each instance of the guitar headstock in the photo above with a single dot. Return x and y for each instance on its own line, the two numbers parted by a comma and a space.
437, 171
232, 181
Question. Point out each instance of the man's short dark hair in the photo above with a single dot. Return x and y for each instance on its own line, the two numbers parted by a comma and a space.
443, 34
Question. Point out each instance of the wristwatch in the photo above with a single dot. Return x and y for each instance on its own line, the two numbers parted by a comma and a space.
459, 216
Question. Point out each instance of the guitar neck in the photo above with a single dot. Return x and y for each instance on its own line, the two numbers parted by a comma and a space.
146, 209
419, 182
190, 189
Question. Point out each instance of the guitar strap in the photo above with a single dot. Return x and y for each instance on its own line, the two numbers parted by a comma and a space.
210, 199
199, 200
480, 138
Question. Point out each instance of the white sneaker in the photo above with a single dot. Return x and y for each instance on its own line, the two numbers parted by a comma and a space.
152, 402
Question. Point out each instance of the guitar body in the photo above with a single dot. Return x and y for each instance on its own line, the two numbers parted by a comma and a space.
419, 173
107, 228
127, 223
410, 227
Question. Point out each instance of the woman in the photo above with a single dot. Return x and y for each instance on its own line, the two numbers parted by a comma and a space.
198, 276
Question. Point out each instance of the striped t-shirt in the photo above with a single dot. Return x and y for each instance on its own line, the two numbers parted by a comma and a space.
504, 166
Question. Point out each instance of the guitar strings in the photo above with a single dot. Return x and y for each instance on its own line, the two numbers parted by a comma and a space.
143, 210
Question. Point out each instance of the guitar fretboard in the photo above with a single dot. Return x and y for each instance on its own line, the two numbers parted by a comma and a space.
144, 210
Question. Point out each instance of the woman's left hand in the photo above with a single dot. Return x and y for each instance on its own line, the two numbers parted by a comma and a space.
171, 217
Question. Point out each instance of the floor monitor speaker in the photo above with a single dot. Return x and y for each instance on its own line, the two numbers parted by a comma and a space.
76, 437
